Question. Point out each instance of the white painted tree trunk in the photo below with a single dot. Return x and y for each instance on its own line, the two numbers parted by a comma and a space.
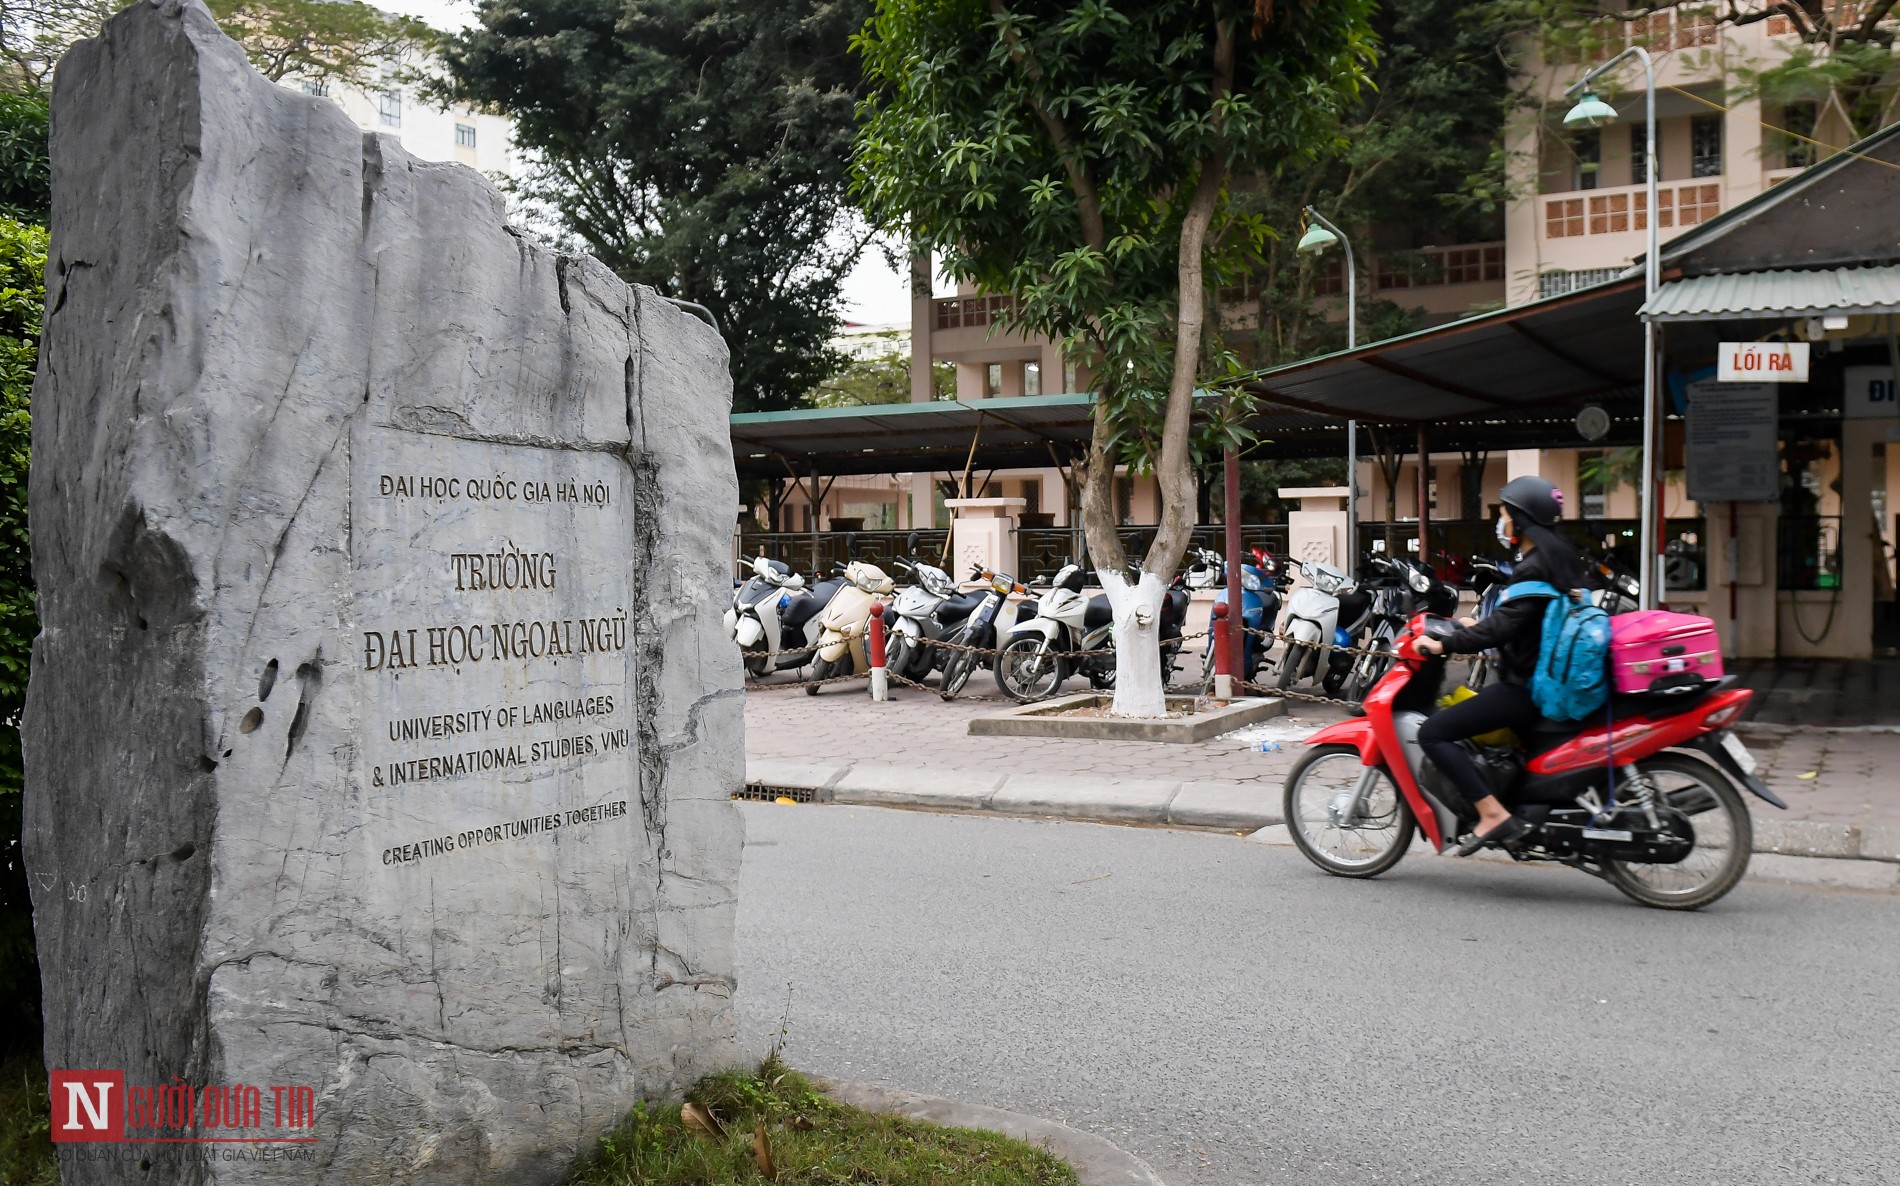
1139, 690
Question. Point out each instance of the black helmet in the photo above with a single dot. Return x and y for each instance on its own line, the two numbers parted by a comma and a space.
1533, 500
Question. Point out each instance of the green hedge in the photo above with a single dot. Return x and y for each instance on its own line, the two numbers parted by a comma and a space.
22, 296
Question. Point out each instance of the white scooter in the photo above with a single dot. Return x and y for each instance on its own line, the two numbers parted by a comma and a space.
774, 618
845, 622
1034, 661
1311, 621
912, 619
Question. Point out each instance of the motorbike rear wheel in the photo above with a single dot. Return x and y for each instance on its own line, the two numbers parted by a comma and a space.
1025, 671
1370, 843
1724, 837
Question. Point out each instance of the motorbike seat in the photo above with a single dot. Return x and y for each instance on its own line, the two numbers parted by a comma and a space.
1098, 614
958, 606
804, 609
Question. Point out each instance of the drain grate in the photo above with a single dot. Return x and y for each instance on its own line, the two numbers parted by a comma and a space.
760, 792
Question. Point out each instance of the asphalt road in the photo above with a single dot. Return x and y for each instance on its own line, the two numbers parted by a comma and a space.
1232, 1015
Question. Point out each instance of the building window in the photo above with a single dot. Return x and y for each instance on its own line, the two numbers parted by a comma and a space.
389, 108
993, 380
1068, 376
1589, 149
1590, 486
1032, 378
1705, 146
464, 136
1639, 155
1798, 121
316, 87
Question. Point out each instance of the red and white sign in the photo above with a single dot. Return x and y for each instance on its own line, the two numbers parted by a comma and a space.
1762, 362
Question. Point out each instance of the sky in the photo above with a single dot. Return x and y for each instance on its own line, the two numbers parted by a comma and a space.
874, 292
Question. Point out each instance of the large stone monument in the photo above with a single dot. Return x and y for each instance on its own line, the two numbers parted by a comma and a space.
380, 740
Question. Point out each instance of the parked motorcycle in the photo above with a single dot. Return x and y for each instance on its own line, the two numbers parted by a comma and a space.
1398, 588
1617, 589
1645, 796
992, 615
774, 617
846, 621
1488, 579
1039, 652
916, 617
1259, 608
1311, 622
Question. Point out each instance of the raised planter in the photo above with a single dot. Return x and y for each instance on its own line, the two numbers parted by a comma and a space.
1057, 718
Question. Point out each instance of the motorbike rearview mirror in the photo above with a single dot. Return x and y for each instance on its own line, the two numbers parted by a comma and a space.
851, 544
910, 543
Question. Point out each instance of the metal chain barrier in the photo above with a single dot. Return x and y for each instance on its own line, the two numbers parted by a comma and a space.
1269, 637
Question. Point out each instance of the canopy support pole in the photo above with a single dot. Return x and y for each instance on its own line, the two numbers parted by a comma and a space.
1424, 497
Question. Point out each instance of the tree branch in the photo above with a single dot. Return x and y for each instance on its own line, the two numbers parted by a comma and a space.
1088, 200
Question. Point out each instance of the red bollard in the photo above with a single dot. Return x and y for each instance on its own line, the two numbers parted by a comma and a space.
1223, 654
874, 650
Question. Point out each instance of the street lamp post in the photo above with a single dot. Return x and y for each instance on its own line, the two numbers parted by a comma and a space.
1321, 234
1592, 112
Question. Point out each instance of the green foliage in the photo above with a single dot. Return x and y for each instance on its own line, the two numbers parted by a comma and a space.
26, 1145
884, 380
34, 33
697, 146
26, 183
342, 41
1421, 164
812, 1141
22, 296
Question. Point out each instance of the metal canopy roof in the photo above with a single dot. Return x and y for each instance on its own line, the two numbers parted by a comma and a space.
1018, 432
1524, 363
1781, 293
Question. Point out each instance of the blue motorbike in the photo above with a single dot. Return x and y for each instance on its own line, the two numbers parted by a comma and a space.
1259, 609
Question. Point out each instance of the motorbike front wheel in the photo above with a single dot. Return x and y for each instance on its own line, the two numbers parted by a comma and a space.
1292, 659
821, 669
1025, 670
1318, 791
757, 665
956, 672
1724, 836
897, 655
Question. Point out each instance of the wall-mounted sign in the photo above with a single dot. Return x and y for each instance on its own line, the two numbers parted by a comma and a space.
1867, 393
1762, 362
1730, 449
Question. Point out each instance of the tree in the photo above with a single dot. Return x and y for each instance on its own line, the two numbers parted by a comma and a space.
1080, 156
342, 41
1420, 164
696, 146
885, 380
321, 40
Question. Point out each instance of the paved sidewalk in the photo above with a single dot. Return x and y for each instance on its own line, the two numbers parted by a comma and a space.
913, 751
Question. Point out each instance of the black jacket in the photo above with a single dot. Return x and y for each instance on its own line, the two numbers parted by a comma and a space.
1516, 628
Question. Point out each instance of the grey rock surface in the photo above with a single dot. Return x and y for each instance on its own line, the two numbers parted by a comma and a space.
377, 741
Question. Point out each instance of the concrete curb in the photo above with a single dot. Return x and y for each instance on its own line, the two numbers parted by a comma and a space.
1096, 1161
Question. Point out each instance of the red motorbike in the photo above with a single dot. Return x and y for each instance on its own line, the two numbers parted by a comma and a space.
1645, 794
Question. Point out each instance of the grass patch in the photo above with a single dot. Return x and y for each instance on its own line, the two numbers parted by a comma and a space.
810, 1139
26, 1143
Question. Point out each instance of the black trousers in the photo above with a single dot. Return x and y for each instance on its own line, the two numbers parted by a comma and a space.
1500, 706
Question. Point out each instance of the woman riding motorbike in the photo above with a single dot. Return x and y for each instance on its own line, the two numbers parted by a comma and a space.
1526, 521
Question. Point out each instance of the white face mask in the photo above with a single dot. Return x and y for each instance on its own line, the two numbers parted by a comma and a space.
1504, 533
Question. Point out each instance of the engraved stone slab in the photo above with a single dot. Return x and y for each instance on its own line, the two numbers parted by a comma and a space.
379, 741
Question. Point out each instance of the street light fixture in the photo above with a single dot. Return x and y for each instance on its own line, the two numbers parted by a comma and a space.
1321, 234
1593, 112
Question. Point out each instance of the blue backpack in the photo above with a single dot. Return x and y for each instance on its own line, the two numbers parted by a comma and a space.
1572, 679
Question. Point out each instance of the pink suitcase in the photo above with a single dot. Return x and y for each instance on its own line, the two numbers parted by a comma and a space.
1656, 651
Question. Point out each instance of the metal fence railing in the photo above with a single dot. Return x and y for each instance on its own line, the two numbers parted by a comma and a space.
816, 552
1455, 541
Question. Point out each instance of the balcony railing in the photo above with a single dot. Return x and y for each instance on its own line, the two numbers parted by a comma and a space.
1425, 267
1614, 211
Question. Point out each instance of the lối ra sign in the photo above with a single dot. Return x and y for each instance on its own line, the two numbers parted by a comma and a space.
1762, 362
